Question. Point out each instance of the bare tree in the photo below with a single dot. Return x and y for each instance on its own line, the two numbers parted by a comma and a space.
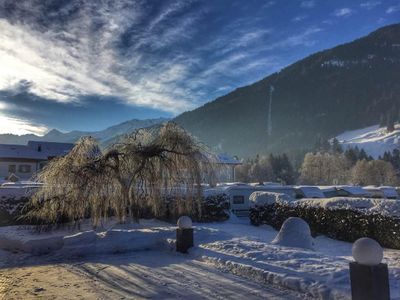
134, 174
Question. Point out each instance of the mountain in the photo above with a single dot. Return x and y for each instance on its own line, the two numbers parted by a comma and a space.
374, 140
103, 136
347, 87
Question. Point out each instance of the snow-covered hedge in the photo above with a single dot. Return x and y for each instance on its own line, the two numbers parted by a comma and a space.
260, 198
214, 208
339, 220
10, 210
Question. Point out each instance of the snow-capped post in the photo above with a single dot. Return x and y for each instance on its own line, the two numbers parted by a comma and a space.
368, 275
184, 234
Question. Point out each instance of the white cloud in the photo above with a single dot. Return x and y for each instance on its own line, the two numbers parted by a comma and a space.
307, 4
343, 12
299, 18
63, 63
301, 39
370, 4
393, 9
19, 126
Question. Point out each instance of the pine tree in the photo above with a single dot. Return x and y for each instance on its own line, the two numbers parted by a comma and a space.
351, 156
390, 121
336, 147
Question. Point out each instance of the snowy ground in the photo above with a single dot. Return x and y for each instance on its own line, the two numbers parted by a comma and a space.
374, 140
138, 275
121, 266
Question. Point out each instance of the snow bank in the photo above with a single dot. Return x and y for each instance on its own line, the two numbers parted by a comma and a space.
24, 240
84, 243
301, 270
294, 232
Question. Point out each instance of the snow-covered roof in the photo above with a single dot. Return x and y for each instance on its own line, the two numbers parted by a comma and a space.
51, 149
311, 191
353, 190
227, 159
34, 150
20, 151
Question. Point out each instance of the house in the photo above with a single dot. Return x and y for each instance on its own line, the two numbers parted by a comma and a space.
25, 160
225, 167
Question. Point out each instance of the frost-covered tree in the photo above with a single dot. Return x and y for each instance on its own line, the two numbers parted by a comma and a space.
324, 169
242, 172
261, 170
374, 172
134, 174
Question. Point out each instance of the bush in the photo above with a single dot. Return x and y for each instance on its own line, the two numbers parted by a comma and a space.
337, 223
214, 208
10, 210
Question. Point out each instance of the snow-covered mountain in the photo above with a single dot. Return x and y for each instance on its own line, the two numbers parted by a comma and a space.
374, 140
102, 136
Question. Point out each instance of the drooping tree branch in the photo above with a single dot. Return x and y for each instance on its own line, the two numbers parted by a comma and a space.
133, 174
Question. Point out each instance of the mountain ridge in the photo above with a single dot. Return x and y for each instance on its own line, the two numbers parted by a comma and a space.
54, 135
346, 87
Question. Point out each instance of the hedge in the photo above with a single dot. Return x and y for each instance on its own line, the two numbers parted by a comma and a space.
213, 209
337, 223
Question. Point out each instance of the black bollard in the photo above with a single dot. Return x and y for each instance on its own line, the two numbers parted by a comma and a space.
184, 239
369, 282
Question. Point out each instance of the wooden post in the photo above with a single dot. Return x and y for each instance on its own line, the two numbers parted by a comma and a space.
184, 239
369, 277
184, 234
369, 282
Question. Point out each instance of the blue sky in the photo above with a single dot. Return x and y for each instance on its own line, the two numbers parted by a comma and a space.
87, 65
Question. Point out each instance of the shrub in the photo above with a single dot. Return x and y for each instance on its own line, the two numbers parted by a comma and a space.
214, 208
337, 223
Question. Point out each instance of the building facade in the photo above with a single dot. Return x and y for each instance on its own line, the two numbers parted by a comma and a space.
25, 160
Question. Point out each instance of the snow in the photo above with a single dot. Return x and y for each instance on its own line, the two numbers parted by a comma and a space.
367, 252
234, 247
83, 243
184, 222
310, 191
373, 205
353, 190
374, 140
260, 198
294, 232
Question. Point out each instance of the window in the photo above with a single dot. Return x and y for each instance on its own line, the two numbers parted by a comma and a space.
24, 168
238, 199
12, 168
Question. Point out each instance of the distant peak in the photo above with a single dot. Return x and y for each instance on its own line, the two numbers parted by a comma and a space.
53, 131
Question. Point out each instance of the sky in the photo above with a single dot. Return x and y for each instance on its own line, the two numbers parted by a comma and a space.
87, 65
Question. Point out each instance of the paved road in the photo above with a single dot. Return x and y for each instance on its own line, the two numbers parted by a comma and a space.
140, 275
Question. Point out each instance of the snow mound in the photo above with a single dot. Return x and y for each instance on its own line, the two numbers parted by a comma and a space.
260, 198
295, 233
16, 240
85, 243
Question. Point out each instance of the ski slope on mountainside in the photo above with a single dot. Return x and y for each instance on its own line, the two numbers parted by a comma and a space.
374, 140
